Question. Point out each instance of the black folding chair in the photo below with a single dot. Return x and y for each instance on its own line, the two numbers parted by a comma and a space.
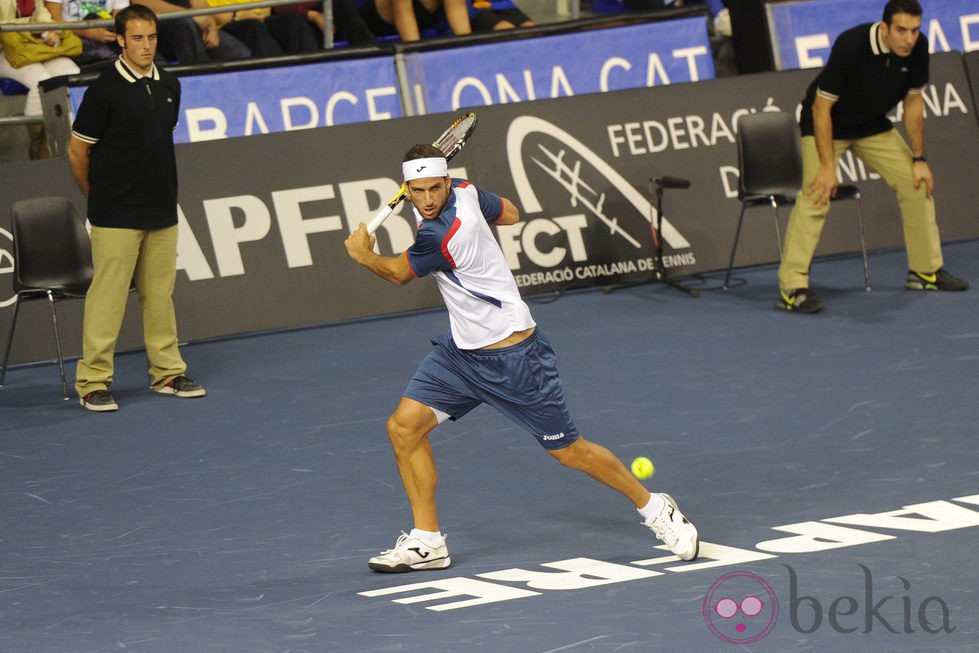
52, 259
770, 166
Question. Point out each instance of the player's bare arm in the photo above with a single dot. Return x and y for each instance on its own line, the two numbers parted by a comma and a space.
360, 247
510, 213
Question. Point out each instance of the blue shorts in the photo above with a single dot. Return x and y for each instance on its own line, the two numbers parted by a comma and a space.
520, 381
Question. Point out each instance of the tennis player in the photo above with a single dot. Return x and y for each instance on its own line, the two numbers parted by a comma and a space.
495, 354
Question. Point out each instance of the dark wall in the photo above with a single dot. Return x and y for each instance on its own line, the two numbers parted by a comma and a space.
264, 217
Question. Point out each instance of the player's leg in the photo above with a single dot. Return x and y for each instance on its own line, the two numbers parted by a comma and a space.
528, 390
659, 511
603, 466
424, 547
435, 393
408, 429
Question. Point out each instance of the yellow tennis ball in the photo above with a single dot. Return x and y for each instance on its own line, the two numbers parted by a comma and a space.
642, 467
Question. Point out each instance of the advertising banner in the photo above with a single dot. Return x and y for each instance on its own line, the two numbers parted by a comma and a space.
972, 68
324, 94
263, 219
591, 61
248, 102
803, 32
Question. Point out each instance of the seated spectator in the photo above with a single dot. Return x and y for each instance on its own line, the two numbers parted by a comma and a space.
29, 11
749, 30
99, 45
193, 40
409, 18
494, 15
742, 27
348, 24
267, 34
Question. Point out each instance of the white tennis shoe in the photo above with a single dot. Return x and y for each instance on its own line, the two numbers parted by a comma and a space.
411, 554
677, 532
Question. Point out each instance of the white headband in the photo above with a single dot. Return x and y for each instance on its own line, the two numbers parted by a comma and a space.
435, 166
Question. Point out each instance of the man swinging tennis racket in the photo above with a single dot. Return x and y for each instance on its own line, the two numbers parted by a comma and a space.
495, 354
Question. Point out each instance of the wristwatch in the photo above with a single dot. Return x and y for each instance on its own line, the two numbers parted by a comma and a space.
922, 159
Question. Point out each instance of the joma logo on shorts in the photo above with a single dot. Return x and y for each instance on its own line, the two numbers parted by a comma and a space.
552, 437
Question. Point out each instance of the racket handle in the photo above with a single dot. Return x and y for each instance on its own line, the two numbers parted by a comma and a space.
379, 218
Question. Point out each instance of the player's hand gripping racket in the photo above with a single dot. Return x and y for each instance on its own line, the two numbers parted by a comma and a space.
450, 142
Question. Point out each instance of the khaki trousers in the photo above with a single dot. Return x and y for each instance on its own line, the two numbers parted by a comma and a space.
889, 156
122, 256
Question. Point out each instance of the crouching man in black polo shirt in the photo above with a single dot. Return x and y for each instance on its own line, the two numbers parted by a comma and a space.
871, 68
122, 157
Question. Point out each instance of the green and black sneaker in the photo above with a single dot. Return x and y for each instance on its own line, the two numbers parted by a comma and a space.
940, 280
800, 300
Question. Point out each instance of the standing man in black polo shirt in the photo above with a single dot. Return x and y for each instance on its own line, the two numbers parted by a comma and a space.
871, 68
122, 157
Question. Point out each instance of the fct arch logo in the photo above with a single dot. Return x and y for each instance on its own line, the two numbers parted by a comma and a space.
569, 175
6, 267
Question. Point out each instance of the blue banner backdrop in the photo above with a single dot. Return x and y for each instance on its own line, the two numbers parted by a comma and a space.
263, 101
332, 93
593, 61
803, 32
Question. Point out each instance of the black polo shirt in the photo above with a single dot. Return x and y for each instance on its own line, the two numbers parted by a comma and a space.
866, 80
129, 122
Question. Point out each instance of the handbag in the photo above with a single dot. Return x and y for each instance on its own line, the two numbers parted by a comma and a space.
22, 48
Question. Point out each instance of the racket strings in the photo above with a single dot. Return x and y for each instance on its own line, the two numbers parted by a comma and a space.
448, 144
456, 138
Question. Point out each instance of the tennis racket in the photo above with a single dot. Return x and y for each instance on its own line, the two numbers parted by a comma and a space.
450, 142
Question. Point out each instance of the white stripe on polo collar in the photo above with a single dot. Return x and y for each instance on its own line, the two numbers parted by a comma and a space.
131, 75
435, 166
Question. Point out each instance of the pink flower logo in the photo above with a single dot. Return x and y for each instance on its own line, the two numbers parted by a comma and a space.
740, 608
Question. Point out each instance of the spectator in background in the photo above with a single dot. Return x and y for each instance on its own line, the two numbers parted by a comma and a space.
746, 23
740, 31
29, 11
267, 34
348, 24
495, 15
99, 45
409, 18
193, 40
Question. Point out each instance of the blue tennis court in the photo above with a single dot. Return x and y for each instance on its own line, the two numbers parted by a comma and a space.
831, 463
